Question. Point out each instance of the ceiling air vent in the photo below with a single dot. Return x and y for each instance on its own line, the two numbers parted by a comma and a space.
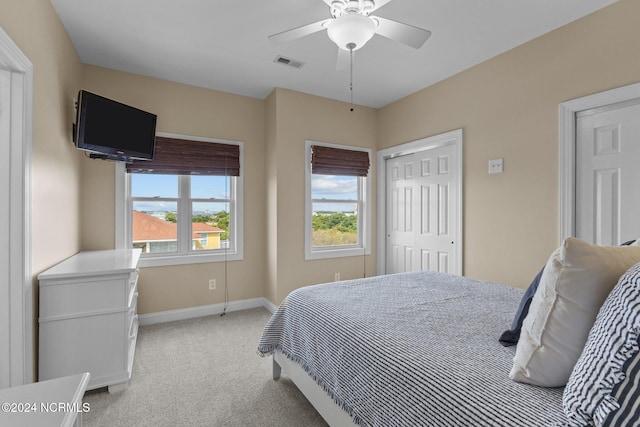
288, 61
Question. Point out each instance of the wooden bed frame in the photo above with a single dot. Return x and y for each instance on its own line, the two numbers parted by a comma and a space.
333, 414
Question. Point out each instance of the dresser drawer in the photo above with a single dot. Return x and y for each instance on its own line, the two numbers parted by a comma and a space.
82, 296
83, 344
133, 337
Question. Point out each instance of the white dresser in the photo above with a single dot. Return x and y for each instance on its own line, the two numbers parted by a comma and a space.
88, 318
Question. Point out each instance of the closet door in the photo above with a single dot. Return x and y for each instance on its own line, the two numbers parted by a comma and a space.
421, 198
607, 174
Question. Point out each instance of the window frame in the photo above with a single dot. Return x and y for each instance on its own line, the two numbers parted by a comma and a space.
124, 206
364, 213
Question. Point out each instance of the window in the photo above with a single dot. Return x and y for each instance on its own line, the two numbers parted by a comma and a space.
337, 210
185, 206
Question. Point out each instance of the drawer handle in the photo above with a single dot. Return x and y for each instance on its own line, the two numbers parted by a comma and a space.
134, 302
132, 331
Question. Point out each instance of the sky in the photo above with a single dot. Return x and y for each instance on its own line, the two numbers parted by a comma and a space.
334, 187
202, 187
207, 187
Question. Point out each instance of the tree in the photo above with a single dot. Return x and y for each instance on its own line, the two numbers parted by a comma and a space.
221, 220
336, 220
202, 218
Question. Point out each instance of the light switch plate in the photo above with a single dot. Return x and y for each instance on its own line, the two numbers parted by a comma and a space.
495, 166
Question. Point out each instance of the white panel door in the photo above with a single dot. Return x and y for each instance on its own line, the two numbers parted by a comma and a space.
400, 211
421, 189
608, 175
436, 186
5, 295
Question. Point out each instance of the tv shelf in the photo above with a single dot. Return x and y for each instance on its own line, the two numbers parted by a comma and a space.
88, 317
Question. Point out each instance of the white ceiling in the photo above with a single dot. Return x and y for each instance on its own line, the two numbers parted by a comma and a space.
223, 45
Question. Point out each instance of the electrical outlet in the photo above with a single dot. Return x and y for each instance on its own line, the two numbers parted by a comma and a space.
337, 277
212, 284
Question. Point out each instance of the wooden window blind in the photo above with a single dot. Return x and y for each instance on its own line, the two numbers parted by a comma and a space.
337, 161
187, 157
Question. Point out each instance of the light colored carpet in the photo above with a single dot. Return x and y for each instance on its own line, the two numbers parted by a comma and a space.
202, 372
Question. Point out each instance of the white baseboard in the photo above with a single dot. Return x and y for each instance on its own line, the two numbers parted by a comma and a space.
269, 306
204, 310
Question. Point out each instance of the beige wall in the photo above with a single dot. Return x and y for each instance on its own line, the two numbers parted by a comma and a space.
294, 118
274, 132
35, 28
55, 192
271, 190
508, 108
192, 111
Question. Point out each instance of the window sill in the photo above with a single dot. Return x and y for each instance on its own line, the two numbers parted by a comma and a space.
335, 253
166, 260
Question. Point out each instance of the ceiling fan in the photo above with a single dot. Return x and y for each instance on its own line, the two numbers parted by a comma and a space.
351, 26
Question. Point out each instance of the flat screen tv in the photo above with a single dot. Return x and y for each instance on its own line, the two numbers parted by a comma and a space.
113, 130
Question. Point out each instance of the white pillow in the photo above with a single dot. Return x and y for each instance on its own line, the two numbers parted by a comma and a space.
576, 280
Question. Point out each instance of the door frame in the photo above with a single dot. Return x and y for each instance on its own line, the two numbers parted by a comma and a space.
454, 138
567, 148
18, 335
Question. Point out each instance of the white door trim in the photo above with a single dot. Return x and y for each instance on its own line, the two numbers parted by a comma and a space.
410, 148
567, 148
19, 286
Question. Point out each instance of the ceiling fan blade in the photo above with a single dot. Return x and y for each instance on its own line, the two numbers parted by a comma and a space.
343, 60
403, 33
296, 33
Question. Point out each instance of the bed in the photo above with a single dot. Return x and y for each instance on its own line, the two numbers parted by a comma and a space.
410, 349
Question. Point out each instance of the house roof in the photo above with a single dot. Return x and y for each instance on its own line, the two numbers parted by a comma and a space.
148, 228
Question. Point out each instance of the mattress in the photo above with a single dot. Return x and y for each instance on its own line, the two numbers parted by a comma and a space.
411, 349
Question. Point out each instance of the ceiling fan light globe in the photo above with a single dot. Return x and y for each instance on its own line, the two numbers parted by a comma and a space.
351, 29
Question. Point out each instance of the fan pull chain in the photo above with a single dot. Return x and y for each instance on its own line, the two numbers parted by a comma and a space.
351, 46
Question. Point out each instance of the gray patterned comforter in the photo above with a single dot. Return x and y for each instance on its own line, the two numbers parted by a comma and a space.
411, 349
